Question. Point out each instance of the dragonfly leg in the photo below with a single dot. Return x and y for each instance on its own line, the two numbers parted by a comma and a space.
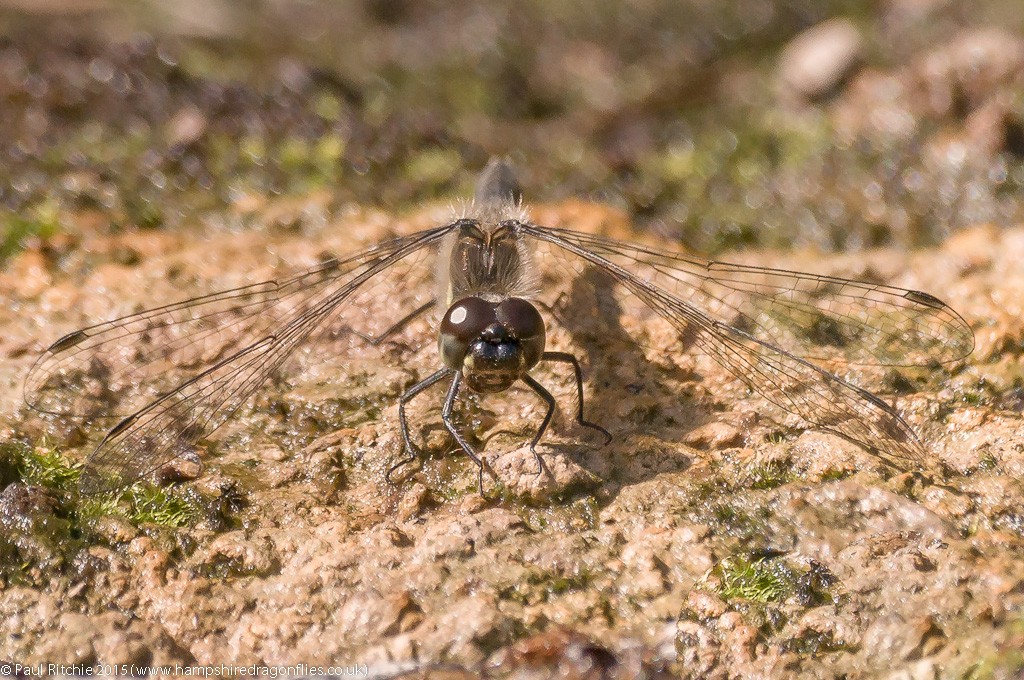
566, 358
446, 418
376, 340
550, 401
407, 444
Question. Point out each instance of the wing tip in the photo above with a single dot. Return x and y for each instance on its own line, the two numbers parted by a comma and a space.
67, 341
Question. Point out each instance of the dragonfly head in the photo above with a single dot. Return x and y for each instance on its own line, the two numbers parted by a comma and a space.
492, 344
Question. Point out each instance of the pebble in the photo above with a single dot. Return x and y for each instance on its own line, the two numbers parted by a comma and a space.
819, 60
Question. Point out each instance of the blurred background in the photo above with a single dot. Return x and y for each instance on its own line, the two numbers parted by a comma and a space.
828, 123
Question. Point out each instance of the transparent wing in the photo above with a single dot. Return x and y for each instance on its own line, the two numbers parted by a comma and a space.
808, 315
112, 369
176, 373
754, 345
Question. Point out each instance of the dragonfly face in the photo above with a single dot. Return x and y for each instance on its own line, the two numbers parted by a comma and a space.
492, 344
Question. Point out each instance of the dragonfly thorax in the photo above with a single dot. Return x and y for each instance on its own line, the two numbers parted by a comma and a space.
486, 259
492, 344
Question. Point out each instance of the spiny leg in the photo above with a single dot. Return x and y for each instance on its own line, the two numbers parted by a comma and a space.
446, 418
546, 396
397, 326
407, 444
566, 358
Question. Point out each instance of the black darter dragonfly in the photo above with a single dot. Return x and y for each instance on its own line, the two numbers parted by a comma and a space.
176, 373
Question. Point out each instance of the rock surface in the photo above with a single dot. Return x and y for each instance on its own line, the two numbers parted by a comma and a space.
630, 546
152, 152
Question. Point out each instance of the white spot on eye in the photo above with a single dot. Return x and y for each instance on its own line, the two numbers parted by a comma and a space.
459, 315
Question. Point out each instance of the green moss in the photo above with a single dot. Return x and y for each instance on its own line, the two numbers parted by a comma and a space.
746, 524
47, 523
41, 222
141, 503
729, 514
707, 489
769, 475
43, 466
39, 533
987, 462
761, 580
758, 585
972, 398
155, 505
145, 504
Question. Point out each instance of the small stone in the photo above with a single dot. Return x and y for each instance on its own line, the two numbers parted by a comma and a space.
714, 436
518, 470
187, 127
705, 605
741, 641
819, 60
413, 501
114, 529
730, 621
184, 468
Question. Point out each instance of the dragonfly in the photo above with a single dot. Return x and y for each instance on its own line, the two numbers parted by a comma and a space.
173, 374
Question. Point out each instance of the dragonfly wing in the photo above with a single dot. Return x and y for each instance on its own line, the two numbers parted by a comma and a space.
113, 369
790, 382
809, 315
214, 352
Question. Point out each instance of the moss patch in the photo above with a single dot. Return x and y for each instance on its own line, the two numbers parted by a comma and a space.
763, 580
141, 503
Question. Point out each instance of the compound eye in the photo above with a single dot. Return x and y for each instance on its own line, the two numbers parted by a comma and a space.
467, 318
520, 317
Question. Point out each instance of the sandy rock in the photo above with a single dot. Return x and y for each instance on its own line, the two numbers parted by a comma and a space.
461, 536
109, 637
740, 643
895, 637
115, 529
825, 623
644, 572
518, 470
573, 656
699, 650
371, 614
240, 554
